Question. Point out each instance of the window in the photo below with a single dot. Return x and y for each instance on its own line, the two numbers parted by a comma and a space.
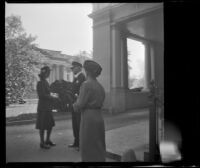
136, 64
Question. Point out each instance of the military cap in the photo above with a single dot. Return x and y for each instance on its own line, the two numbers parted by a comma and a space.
76, 64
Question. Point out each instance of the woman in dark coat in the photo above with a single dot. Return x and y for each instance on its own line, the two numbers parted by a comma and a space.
45, 120
89, 102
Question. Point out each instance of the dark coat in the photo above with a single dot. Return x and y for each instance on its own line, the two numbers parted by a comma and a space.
64, 91
92, 129
45, 118
77, 84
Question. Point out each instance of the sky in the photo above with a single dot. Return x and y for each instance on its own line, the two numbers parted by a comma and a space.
67, 28
62, 27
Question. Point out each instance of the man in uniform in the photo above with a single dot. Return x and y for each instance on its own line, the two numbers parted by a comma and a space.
79, 78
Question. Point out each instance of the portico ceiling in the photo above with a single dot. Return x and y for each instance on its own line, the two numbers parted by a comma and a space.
149, 27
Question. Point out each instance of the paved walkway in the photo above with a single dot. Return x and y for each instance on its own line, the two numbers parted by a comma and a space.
123, 131
134, 136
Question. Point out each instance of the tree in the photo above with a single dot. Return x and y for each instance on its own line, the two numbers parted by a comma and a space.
21, 59
82, 56
128, 56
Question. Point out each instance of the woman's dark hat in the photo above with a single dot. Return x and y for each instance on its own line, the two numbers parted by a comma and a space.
44, 70
76, 64
92, 67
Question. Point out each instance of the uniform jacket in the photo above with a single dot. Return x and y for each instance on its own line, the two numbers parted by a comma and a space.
77, 84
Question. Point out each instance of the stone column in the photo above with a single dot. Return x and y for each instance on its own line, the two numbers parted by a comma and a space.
152, 59
50, 77
147, 72
118, 67
124, 62
159, 64
64, 73
71, 77
61, 72
116, 57
102, 52
57, 71
53, 72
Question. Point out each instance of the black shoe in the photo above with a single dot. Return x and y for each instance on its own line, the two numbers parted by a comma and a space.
72, 146
50, 143
44, 146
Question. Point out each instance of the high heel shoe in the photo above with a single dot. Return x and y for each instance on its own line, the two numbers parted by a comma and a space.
50, 143
44, 146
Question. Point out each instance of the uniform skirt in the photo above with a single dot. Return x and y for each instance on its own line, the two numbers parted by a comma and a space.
92, 136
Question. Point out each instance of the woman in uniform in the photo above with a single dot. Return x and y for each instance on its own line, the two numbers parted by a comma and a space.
45, 120
89, 102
